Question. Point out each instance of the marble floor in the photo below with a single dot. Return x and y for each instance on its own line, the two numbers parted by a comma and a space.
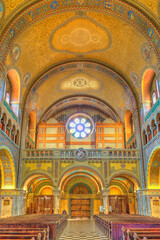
82, 230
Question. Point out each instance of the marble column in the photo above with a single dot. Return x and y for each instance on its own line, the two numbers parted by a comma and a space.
105, 192
56, 195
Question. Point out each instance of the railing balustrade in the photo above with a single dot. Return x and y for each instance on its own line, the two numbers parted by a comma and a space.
90, 154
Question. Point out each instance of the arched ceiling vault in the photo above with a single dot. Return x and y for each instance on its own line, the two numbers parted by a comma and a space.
15, 7
119, 36
95, 85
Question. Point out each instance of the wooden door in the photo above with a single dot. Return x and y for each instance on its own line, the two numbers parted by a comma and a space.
119, 204
80, 208
43, 204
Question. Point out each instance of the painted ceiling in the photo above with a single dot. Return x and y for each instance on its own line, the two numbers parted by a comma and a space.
80, 48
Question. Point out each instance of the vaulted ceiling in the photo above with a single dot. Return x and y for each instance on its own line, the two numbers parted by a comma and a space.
91, 48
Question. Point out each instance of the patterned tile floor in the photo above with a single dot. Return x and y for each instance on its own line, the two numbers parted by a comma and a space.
82, 230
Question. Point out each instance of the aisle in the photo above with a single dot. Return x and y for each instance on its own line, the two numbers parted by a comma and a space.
82, 230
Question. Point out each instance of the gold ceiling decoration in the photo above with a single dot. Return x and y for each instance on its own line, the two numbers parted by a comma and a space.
79, 82
80, 36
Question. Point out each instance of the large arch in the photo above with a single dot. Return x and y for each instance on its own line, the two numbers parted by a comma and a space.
39, 193
122, 198
153, 169
127, 174
29, 177
82, 171
8, 174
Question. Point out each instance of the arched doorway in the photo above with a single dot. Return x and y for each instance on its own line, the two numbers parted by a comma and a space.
153, 179
122, 195
8, 176
81, 190
7, 181
39, 197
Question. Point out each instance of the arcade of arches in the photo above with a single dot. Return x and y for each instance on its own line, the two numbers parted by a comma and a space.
80, 107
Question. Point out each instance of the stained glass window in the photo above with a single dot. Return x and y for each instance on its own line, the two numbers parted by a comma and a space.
8, 98
80, 126
154, 98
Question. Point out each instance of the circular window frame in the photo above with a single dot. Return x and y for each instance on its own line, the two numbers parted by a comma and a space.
80, 115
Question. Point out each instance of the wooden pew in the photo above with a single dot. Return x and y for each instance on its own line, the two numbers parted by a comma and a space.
10, 236
112, 224
146, 237
32, 238
44, 232
54, 222
140, 233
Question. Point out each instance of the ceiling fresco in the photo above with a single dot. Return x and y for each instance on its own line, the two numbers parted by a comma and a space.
40, 37
12, 5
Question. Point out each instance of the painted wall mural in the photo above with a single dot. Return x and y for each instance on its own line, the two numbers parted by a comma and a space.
71, 37
118, 9
15, 52
146, 51
26, 79
80, 82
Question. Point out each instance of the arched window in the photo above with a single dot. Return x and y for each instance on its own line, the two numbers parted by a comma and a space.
14, 79
8, 98
149, 133
1, 88
154, 98
144, 137
32, 124
8, 127
147, 79
154, 128
158, 85
158, 121
129, 125
3, 121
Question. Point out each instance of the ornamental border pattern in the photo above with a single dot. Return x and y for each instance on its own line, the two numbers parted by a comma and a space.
40, 10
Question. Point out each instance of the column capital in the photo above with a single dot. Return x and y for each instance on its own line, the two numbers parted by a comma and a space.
56, 191
105, 191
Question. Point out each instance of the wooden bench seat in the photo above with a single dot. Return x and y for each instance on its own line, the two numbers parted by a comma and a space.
32, 238
36, 222
27, 231
10, 236
140, 233
112, 225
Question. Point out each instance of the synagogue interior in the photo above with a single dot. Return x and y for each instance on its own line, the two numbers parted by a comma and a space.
80, 110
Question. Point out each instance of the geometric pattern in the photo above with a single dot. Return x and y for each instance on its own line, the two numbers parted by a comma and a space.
82, 230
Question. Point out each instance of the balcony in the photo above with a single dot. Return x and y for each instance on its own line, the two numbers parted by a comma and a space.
71, 154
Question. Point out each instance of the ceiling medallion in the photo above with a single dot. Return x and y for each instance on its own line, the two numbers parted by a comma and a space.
80, 36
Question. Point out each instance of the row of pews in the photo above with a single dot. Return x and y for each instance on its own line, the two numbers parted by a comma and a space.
32, 227
129, 227
141, 233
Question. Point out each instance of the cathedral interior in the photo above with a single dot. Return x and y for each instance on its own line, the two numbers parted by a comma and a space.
79, 107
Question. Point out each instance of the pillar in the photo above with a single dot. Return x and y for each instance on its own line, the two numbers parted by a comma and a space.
105, 193
12, 202
142, 200
56, 195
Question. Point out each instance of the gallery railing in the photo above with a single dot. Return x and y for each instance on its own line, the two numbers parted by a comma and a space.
81, 154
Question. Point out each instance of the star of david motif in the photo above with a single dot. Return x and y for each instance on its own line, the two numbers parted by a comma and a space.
80, 154
6, 164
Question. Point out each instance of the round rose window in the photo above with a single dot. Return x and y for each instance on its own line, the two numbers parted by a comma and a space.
80, 126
